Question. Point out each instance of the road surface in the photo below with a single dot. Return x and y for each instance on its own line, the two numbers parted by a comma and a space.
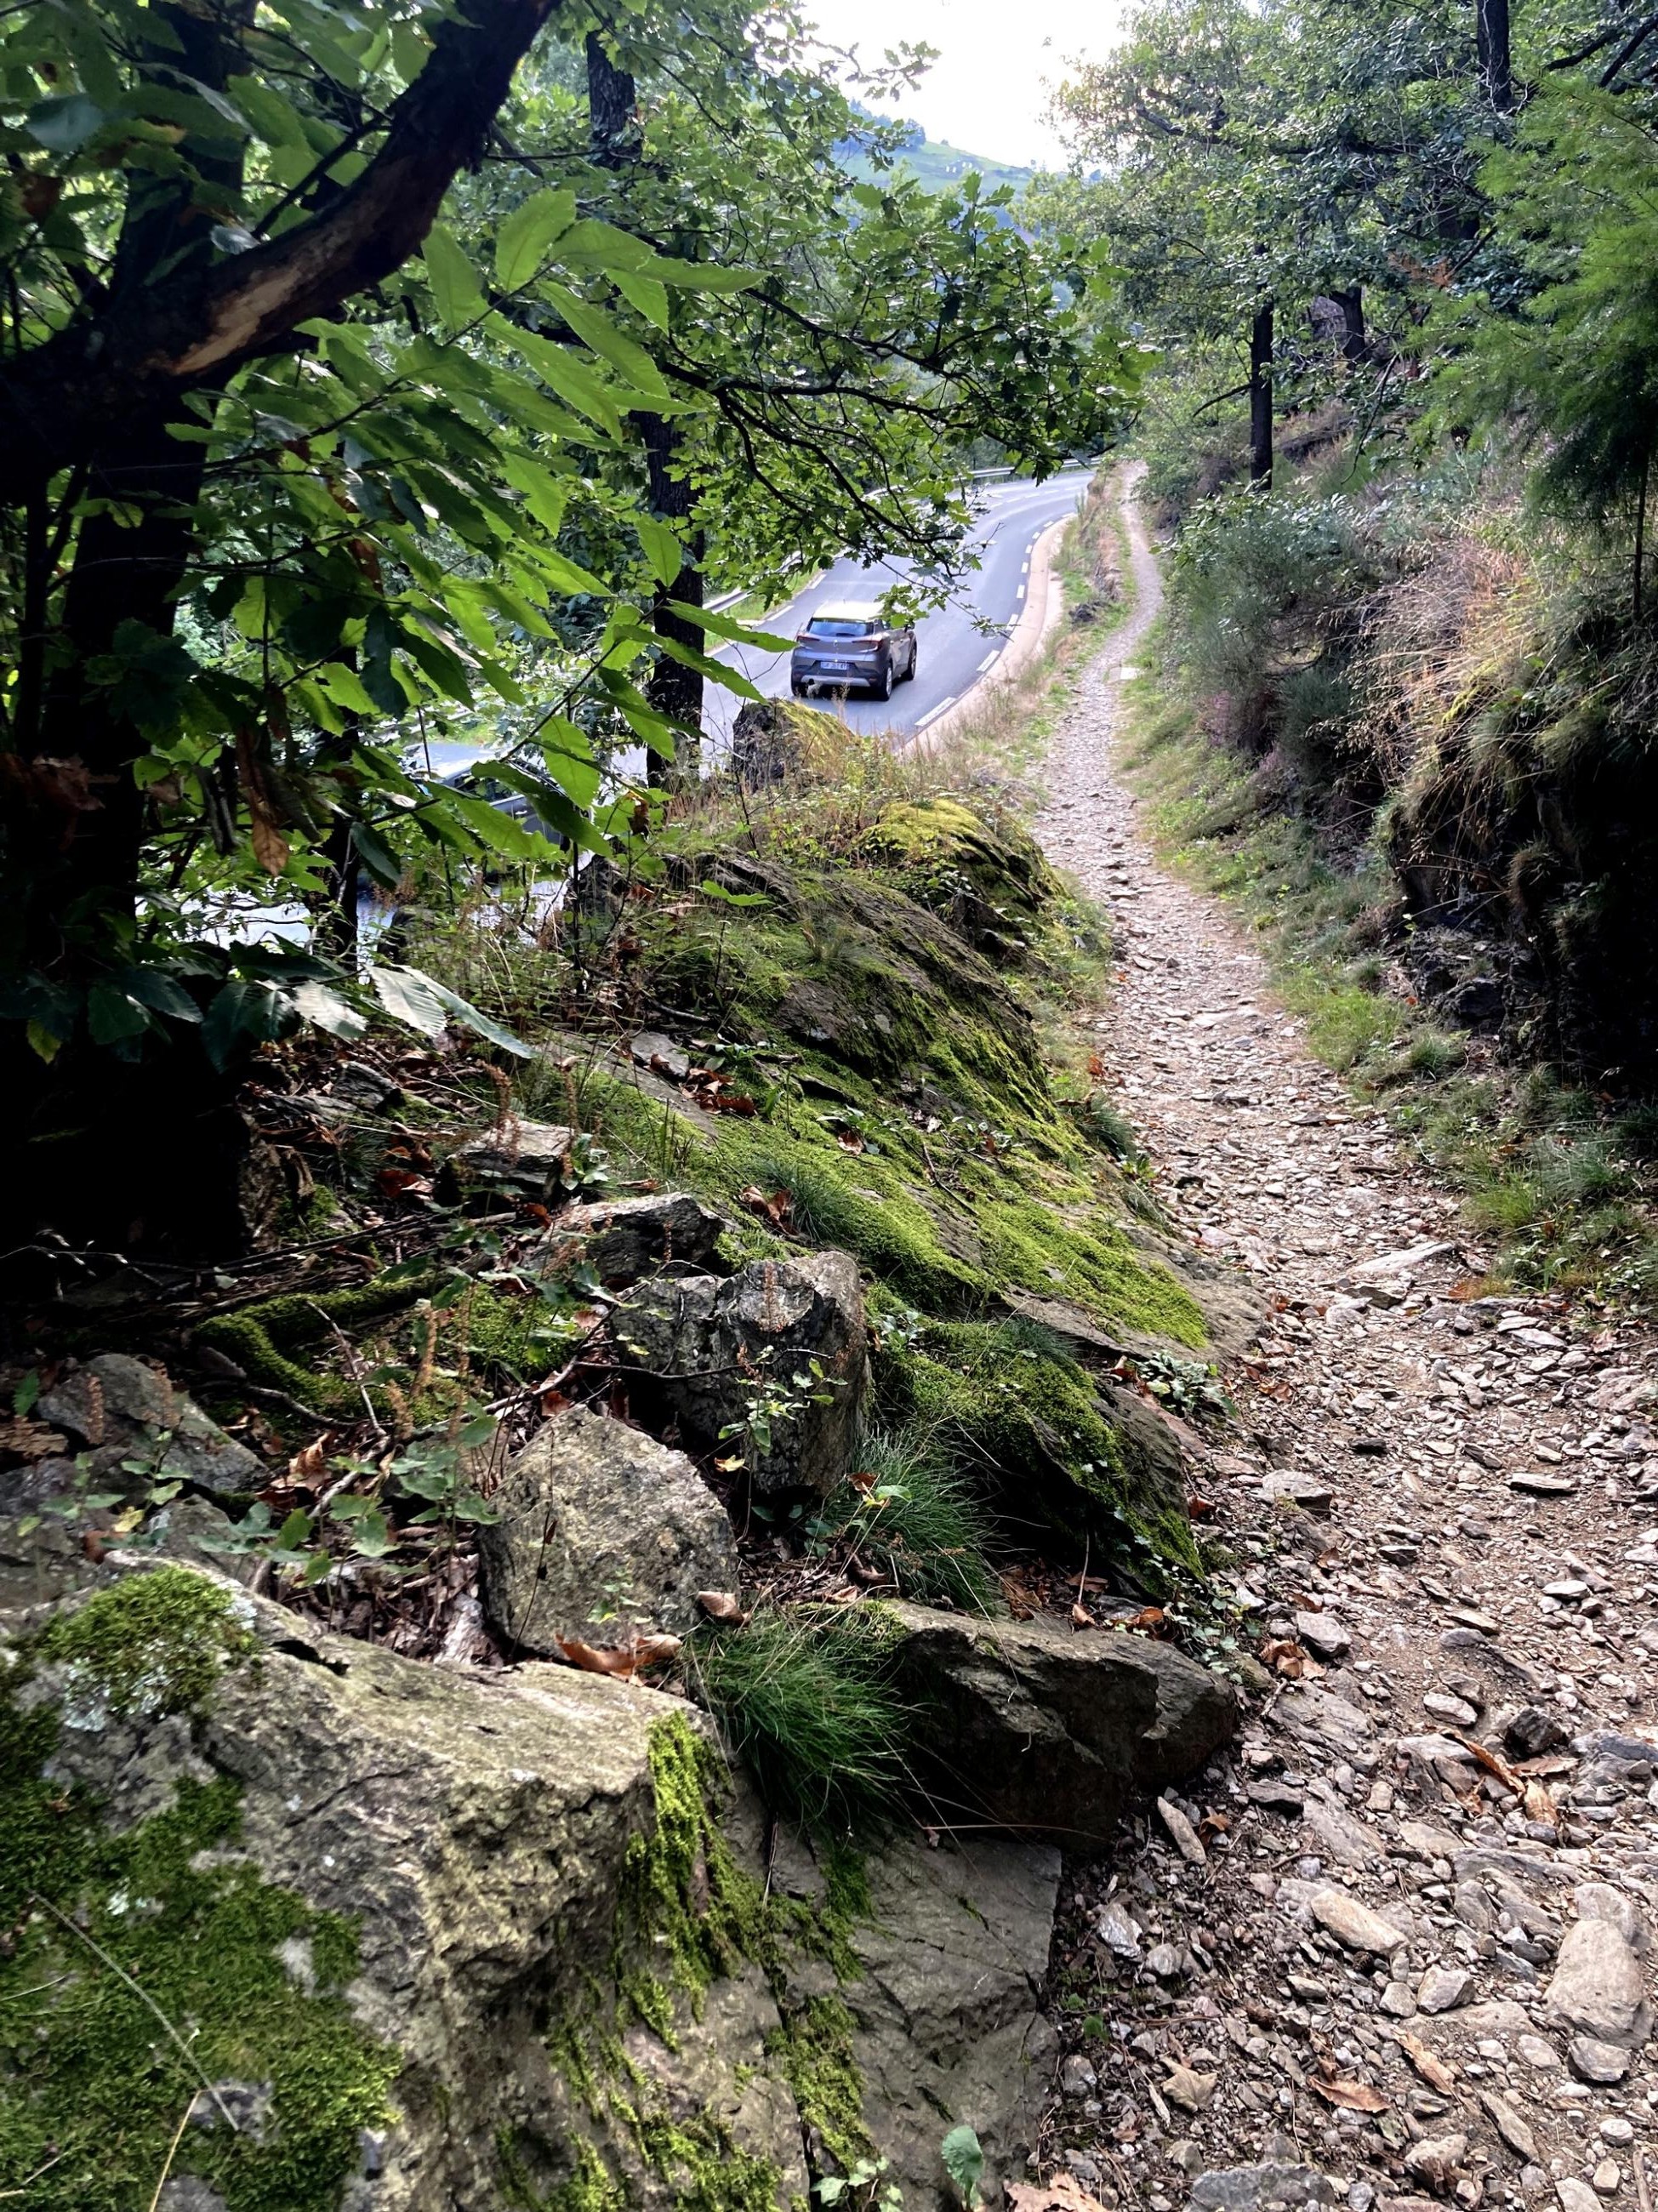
954, 651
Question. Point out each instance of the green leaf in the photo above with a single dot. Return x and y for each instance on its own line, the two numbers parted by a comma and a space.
276, 119
595, 328
523, 238
702, 276
964, 2161
164, 994
662, 548
645, 294
414, 999
455, 290
63, 125
314, 1002
739, 632
112, 1014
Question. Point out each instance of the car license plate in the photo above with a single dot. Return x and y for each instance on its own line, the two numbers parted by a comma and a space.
834, 664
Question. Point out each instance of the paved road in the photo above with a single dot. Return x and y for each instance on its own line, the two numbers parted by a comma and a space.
953, 651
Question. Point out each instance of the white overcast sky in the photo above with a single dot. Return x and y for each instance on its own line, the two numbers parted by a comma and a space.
988, 91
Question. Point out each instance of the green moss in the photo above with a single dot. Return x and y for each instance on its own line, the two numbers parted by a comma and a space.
93, 2086
706, 2169
146, 1646
260, 1338
814, 2053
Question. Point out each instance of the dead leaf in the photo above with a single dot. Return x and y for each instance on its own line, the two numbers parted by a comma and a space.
30, 1439
1499, 1769
1351, 2096
1150, 1620
1063, 2193
1434, 2071
625, 1660
720, 1605
1081, 1617
1539, 1805
310, 1465
269, 846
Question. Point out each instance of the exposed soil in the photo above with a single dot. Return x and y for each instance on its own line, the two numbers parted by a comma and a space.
1457, 1624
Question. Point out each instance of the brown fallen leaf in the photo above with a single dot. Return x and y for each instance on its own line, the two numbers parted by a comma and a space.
1487, 1760
1434, 2071
30, 1439
1063, 2193
1351, 2096
1540, 1806
309, 1466
1081, 1617
624, 1660
1150, 1620
720, 1605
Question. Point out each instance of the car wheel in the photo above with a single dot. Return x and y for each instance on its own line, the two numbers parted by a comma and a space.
909, 674
797, 687
883, 681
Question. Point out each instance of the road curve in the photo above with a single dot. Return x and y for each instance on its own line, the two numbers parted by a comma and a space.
954, 648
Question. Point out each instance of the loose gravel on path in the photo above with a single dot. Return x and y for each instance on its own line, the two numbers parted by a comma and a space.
1396, 1945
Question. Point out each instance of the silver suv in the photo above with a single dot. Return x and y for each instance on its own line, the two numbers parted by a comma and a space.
846, 644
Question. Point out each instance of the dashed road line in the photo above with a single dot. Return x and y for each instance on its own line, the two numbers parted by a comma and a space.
936, 712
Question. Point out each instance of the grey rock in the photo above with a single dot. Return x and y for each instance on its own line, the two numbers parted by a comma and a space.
1048, 1731
529, 1159
1438, 2160
1184, 1837
1242, 2188
132, 1411
1165, 1962
1342, 1836
947, 2013
601, 1531
705, 1352
1591, 2060
1576, 2196
187, 2192
1597, 1987
1322, 1634
1598, 1900
1531, 1732
1514, 2131
1118, 1932
1353, 1924
1444, 1707
652, 1049
627, 1238
1077, 2077
1441, 1988
1305, 1491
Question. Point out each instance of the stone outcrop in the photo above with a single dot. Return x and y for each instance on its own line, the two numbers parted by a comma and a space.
602, 1532
1033, 1726
627, 1238
767, 1365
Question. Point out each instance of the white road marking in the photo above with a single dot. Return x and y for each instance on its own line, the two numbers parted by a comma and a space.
937, 711
1019, 594
1025, 571
989, 661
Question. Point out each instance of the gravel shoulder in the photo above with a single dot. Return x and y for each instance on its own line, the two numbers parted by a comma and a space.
1395, 1944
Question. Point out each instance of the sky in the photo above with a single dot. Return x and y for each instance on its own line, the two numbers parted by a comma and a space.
986, 93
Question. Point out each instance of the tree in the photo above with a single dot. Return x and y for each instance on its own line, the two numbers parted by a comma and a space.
329, 392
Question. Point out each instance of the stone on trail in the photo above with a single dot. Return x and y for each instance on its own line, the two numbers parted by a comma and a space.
1323, 1635
601, 1532
1185, 1838
1591, 2060
1443, 1988
1597, 1987
1243, 2188
1576, 2196
1438, 2160
1305, 1491
768, 1366
1508, 2124
527, 1157
1353, 1924
1037, 1728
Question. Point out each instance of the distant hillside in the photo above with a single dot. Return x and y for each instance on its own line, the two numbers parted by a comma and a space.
939, 164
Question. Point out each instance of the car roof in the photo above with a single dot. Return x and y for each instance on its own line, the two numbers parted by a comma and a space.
848, 610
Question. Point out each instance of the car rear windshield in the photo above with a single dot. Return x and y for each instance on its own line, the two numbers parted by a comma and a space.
839, 626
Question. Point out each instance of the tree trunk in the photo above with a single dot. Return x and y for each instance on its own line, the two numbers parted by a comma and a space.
1492, 39
1260, 396
1351, 304
615, 142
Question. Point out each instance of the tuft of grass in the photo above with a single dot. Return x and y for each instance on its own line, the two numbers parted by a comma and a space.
914, 1517
806, 1700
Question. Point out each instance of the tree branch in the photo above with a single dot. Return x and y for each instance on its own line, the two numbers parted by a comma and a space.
66, 397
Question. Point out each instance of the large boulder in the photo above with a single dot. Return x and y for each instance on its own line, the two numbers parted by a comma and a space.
602, 1532
768, 1366
1036, 1727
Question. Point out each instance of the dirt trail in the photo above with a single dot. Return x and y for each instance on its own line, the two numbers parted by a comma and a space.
1397, 1944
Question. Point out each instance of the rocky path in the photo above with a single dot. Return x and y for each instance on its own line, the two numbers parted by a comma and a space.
1396, 1946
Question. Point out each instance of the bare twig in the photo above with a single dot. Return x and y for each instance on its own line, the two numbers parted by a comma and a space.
172, 2153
